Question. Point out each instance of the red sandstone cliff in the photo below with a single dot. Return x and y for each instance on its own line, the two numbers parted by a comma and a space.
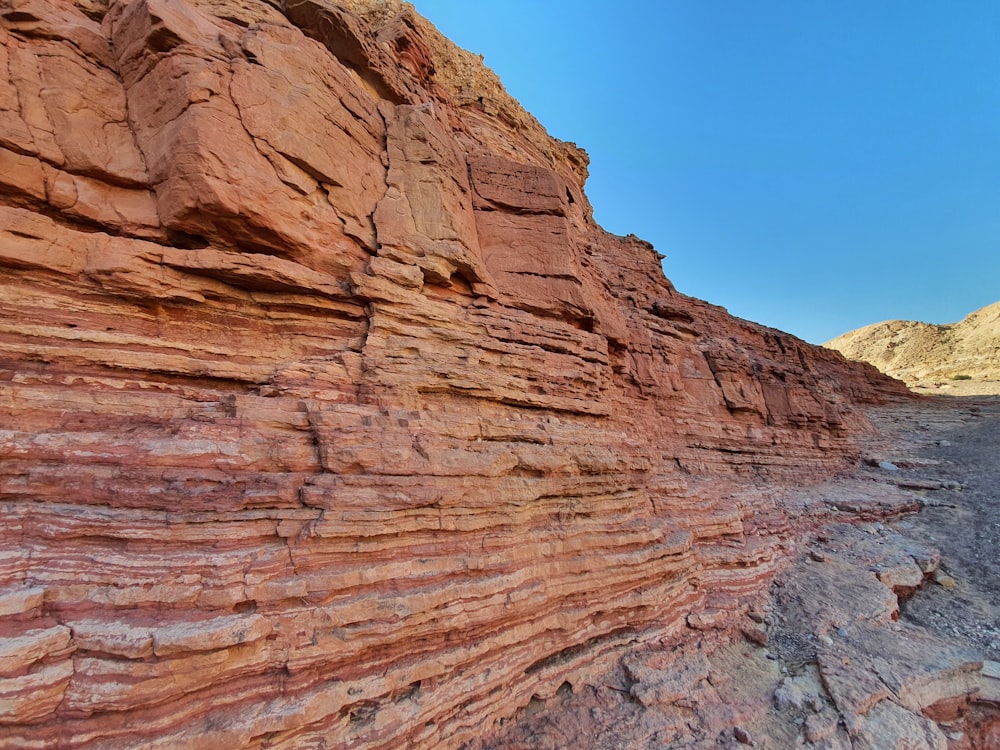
327, 413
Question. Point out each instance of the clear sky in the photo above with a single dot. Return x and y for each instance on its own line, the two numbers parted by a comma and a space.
814, 166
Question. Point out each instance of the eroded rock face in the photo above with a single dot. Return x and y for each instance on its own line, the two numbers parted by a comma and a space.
327, 413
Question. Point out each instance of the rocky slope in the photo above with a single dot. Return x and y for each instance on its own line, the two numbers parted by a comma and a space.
878, 635
961, 357
328, 416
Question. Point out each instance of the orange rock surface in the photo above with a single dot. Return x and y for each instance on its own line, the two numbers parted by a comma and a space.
328, 415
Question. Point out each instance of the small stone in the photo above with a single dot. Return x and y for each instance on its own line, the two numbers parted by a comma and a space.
825, 640
754, 635
743, 736
945, 581
940, 577
816, 555
888, 466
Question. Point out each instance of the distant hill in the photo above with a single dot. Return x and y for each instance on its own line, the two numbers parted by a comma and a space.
957, 357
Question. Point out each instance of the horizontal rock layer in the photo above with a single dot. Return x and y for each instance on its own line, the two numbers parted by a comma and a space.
328, 416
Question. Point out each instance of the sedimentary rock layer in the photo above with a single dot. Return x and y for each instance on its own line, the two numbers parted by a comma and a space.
328, 416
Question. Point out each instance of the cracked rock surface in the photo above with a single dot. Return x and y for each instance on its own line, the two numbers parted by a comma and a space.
330, 418
866, 644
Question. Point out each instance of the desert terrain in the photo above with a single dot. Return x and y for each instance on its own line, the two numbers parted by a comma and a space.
330, 418
958, 359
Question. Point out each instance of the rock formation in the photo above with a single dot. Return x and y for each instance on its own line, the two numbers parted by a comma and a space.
961, 357
841, 653
329, 416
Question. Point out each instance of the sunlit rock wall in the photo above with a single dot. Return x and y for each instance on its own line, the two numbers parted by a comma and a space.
328, 416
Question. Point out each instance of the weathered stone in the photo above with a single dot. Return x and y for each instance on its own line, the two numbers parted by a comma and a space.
989, 689
21, 651
854, 688
328, 416
888, 726
755, 635
654, 686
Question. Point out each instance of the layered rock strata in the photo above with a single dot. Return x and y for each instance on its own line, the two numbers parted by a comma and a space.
328, 416
835, 656
822, 664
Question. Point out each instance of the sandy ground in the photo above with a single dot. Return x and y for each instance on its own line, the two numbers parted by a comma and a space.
961, 388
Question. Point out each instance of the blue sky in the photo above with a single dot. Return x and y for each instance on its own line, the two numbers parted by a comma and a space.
813, 166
